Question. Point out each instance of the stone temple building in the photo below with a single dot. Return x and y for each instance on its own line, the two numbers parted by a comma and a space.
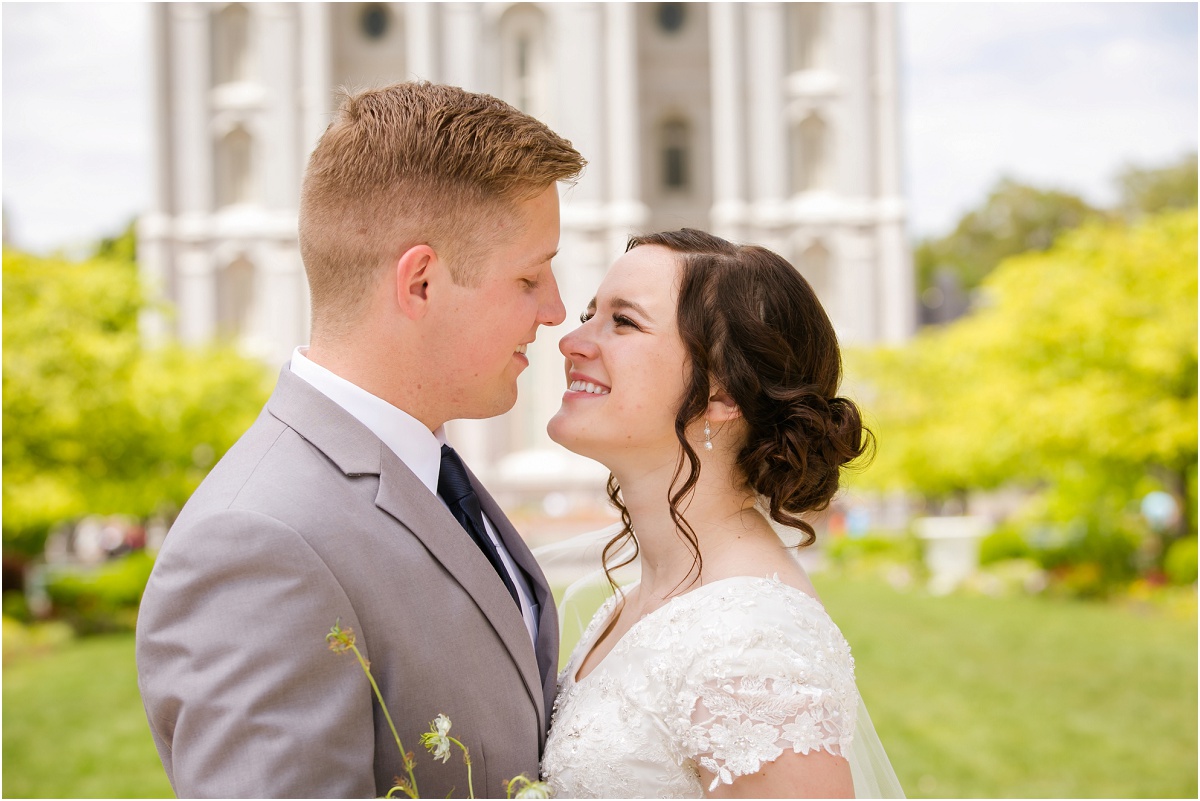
771, 123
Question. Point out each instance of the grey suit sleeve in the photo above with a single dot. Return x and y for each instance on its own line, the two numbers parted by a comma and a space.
242, 693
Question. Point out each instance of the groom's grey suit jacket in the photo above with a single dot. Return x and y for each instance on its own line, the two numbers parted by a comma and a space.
308, 520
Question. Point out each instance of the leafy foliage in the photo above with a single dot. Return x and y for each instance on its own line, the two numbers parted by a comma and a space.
1151, 190
1077, 376
122, 247
102, 599
95, 421
1180, 563
1015, 218
1019, 218
1004, 543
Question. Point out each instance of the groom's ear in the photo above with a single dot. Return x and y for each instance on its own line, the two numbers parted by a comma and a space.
414, 269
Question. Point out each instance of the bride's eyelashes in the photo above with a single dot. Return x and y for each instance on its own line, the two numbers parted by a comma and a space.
621, 320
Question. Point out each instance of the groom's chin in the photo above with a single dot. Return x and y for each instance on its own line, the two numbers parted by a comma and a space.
500, 401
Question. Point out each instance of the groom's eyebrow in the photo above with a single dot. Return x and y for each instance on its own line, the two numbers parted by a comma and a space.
543, 259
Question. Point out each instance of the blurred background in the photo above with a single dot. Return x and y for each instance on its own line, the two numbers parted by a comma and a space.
996, 204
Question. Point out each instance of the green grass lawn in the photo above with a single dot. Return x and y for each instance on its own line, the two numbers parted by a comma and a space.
972, 697
978, 697
74, 725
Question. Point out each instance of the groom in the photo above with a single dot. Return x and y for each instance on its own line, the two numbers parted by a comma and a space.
428, 219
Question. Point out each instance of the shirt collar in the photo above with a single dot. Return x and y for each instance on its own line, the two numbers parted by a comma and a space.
419, 448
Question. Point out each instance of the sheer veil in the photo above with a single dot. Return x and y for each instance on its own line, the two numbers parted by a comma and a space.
580, 559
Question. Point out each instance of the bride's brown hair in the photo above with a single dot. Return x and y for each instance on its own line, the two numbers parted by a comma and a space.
753, 327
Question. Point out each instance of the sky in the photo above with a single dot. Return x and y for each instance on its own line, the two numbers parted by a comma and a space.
1060, 95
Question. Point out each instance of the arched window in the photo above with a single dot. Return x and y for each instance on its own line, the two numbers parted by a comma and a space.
815, 267
235, 178
675, 147
231, 44
810, 155
235, 298
671, 17
366, 44
523, 51
525, 91
374, 20
808, 36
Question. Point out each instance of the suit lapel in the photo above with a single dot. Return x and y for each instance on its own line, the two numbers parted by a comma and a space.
404, 497
547, 644
357, 451
330, 428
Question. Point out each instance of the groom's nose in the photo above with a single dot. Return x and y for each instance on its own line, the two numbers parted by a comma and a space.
550, 306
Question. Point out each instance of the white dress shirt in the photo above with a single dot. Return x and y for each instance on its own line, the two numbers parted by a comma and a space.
419, 448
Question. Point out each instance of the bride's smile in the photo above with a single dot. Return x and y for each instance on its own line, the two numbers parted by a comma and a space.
623, 366
584, 384
705, 377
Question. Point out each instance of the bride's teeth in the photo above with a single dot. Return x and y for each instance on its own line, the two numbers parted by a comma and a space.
588, 387
521, 349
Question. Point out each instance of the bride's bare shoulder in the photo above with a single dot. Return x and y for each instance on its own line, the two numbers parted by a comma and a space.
778, 563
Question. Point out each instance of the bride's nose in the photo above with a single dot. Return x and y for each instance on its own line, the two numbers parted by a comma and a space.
578, 345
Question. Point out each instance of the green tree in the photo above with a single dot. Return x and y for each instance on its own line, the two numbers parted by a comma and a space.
122, 247
1015, 218
1077, 376
94, 420
1151, 190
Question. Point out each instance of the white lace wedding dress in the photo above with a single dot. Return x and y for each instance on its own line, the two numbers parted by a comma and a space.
727, 676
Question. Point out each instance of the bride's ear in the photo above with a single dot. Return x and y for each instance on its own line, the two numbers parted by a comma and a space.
721, 406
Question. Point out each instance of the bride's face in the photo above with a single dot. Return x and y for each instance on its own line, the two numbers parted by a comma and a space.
625, 366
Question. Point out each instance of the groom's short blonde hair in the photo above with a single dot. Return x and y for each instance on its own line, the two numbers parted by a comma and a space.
415, 163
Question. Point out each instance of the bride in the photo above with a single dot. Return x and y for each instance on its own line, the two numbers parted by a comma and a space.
705, 378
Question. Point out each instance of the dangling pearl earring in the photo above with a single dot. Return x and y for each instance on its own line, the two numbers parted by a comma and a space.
707, 436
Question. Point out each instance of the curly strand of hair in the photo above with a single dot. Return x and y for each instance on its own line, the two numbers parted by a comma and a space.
676, 498
694, 403
623, 536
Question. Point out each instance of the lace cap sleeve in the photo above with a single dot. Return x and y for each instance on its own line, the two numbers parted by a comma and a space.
769, 672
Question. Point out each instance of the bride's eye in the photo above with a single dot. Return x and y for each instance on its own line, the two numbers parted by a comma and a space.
624, 322
585, 316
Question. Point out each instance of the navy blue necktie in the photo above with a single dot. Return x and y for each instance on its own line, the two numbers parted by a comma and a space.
455, 488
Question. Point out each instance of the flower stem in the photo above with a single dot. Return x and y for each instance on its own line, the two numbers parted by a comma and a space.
467, 760
411, 790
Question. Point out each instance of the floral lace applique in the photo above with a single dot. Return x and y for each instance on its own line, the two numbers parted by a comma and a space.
726, 677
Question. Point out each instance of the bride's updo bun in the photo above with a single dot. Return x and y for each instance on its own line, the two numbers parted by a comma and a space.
753, 328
